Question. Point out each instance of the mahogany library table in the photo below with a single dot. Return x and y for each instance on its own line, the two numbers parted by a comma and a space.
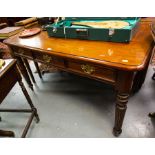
123, 65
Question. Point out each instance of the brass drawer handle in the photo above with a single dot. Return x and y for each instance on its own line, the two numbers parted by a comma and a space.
47, 58
21, 51
88, 69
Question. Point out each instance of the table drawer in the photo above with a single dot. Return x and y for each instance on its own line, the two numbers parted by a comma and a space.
48, 59
91, 70
23, 52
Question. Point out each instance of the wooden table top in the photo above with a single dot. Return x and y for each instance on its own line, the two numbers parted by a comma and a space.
129, 56
5, 67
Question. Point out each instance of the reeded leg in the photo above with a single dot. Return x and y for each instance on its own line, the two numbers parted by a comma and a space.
38, 70
121, 106
29, 99
29, 69
24, 71
123, 86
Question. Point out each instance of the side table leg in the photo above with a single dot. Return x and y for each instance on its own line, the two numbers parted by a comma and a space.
29, 69
24, 71
29, 99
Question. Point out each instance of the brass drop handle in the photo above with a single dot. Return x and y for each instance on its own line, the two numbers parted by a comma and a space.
21, 51
88, 69
47, 58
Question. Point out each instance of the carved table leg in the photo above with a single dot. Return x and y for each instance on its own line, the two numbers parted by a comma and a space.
24, 71
38, 70
123, 86
29, 69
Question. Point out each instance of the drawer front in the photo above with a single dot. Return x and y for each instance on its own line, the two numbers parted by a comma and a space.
48, 59
23, 52
91, 70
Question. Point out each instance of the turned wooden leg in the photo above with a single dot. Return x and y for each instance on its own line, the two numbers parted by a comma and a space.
139, 80
121, 106
24, 71
123, 86
28, 99
29, 69
38, 70
141, 75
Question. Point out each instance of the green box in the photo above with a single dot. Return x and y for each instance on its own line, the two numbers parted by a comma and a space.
64, 29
